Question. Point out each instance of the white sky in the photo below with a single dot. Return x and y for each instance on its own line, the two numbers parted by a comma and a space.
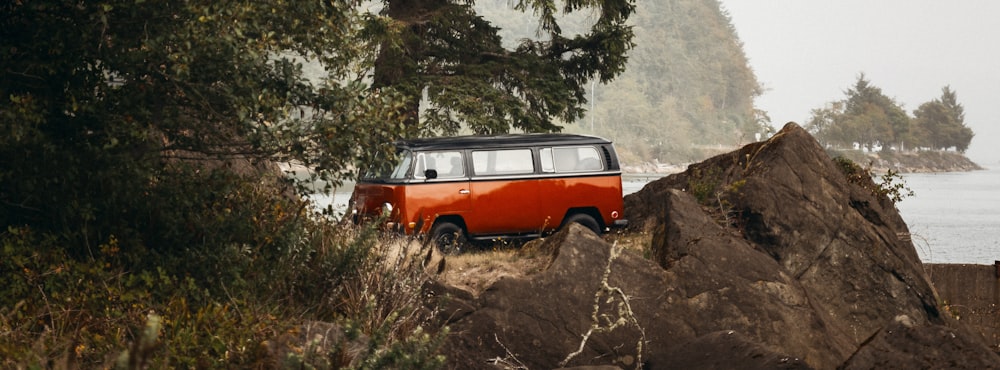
806, 53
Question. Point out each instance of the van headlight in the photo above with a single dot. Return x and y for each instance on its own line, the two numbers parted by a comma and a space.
386, 210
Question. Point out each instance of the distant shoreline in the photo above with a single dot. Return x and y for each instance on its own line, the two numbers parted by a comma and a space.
910, 162
880, 162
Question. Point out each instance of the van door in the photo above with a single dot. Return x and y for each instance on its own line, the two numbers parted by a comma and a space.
574, 181
504, 193
444, 193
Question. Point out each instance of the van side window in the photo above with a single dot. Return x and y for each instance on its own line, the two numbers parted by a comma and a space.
502, 162
570, 159
447, 164
545, 157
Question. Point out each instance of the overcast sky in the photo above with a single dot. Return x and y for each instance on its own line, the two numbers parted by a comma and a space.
806, 53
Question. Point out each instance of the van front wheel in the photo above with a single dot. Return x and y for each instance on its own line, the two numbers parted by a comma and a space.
448, 238
585, 220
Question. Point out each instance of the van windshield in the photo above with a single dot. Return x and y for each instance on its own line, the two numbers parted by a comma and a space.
390, 171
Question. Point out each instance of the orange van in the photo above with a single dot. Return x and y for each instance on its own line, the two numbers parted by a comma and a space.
492, 187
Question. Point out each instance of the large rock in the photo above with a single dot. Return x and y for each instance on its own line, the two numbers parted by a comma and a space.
766, 257
848, 247
625, 301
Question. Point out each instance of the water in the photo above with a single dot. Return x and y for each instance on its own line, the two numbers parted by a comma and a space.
338, 200
953, 217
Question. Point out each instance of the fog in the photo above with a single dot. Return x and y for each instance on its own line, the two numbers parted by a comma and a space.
806, 53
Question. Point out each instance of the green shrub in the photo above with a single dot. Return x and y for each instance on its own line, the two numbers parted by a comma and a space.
890, 187
702, 184
219, 299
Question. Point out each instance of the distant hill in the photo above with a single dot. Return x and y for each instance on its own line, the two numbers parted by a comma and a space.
688, 85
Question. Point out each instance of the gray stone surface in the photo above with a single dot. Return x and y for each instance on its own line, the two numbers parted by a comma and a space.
766, 257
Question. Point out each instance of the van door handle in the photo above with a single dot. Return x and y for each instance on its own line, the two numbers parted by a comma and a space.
463, 191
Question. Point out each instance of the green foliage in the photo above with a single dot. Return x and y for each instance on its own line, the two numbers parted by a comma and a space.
138, 190
890, 187
450, 51
702, 184
940, 123
688, 86
101, 99
56, 309
870, 119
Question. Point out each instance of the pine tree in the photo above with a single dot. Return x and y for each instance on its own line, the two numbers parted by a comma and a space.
942, 123
444, 49
98, 99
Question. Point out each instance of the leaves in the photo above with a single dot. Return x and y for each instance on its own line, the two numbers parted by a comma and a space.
870, 119
472, 80
100, 99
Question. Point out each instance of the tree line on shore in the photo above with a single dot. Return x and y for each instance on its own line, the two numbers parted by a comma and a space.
870, 120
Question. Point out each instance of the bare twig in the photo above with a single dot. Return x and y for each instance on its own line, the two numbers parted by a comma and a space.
509, 361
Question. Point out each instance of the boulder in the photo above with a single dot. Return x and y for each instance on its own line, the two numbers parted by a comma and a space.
904, 345
597, 304
848, 247
767, 257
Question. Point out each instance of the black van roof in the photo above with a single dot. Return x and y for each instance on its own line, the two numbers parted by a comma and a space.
512, 140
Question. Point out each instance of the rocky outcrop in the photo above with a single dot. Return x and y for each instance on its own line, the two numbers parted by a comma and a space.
766, 257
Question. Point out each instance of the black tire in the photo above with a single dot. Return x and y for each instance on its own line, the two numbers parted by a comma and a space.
585, 220
449, 238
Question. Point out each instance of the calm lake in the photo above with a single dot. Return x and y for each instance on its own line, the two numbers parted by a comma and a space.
953, 217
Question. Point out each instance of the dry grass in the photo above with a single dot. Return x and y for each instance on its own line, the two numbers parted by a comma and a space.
476, 271
636, 241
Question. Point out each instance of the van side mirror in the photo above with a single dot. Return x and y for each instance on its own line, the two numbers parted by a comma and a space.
431, 174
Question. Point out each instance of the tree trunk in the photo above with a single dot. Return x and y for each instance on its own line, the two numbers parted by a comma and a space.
398, 67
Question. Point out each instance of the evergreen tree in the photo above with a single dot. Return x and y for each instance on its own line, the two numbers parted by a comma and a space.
444, 49
878, 119
98, 101
866, 117
942, 123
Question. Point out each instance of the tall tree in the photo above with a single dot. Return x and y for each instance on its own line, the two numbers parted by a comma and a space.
444, 49
942, 122
884, 121
98, 99
866, 117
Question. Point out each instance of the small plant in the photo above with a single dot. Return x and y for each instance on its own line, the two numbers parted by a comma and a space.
890, 186
895, 191
702, 184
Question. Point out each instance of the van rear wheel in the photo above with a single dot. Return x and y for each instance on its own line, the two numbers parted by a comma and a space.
449, 238
585, 220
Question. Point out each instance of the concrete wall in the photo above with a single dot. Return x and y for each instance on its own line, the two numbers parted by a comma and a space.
970, 293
